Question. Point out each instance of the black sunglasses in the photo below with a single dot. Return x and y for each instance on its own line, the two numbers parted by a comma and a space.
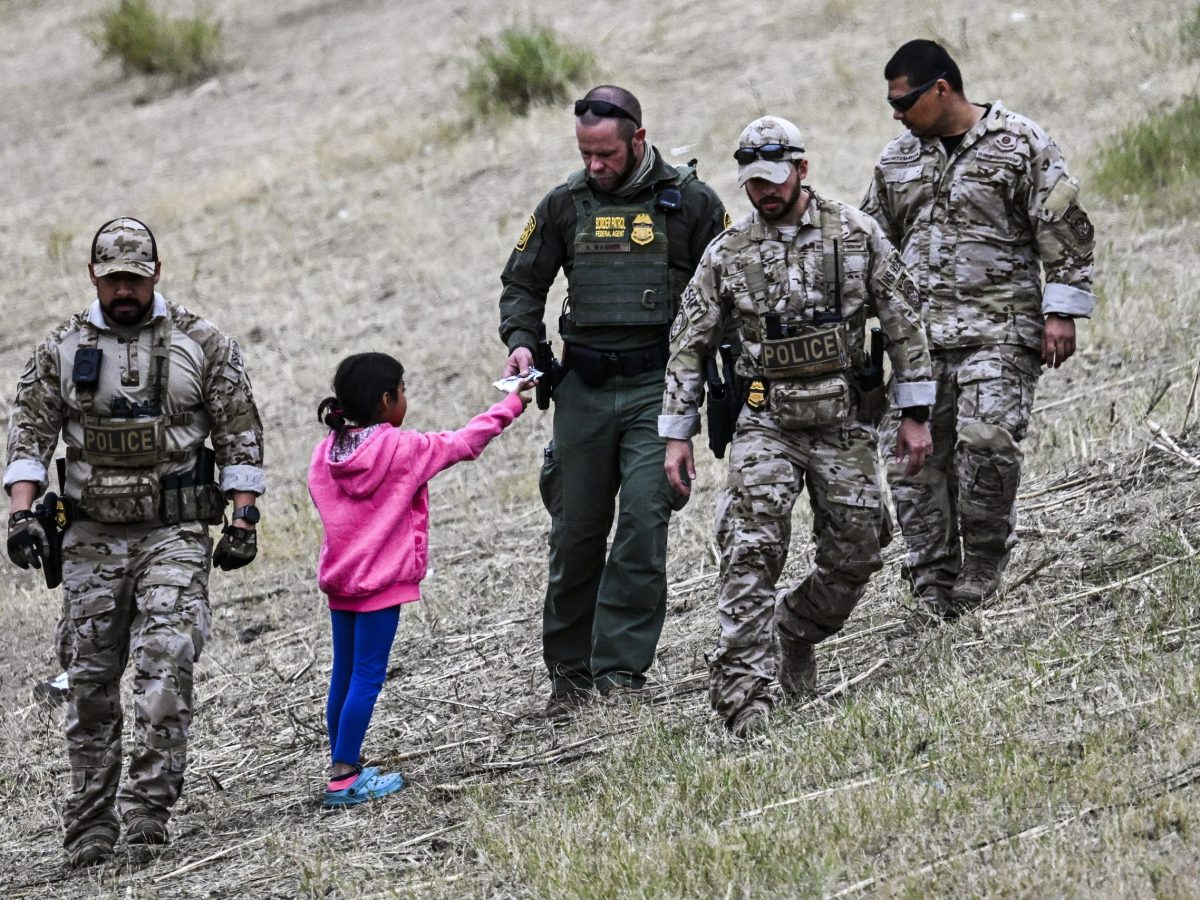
769, 152
904, 102
604, 110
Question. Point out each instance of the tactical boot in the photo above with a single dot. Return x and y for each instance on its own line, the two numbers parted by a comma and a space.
797, 670
565, 701
932, 608
92, 847
141, 829
978, 581
750, 720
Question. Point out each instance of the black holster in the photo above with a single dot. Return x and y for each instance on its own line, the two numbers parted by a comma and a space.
724, 401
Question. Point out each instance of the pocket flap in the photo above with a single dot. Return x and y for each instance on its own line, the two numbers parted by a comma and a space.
980, 370
92, 603
775, 471
168, 577
900, 176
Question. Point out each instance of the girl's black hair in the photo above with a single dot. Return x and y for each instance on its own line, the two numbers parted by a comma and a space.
358, 383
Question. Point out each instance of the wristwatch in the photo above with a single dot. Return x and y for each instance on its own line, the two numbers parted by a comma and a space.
248, 513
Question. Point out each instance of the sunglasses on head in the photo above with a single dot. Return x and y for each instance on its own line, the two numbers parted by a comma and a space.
769, 152
904, 102
604, 110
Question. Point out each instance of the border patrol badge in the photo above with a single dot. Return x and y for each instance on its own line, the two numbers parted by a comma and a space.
527, 233
756, 398
643, 229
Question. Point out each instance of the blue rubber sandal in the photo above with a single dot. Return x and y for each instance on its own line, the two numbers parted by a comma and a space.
371, 784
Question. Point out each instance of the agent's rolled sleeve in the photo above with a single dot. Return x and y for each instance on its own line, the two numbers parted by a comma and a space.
681, 427
1065, 300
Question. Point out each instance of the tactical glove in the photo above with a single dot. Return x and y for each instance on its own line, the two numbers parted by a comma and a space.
26, 540
237, 548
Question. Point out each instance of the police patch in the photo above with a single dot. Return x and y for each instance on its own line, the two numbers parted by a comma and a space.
527, 233
1081, 225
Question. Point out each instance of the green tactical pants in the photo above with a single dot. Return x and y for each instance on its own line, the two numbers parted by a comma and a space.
603, 616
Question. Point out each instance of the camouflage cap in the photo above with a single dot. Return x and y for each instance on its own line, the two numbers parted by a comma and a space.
770, 130
124, 245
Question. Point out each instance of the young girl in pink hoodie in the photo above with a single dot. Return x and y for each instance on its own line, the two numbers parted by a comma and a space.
368, 479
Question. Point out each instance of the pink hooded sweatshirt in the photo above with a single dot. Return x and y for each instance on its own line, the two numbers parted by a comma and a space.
374, 505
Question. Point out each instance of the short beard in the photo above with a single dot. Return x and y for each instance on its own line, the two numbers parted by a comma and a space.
134, 318
787, 206
630, 165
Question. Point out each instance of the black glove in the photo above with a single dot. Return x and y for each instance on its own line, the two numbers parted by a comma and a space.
26, 540
237, 548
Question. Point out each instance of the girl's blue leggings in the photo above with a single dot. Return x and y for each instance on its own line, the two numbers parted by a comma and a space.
361, 644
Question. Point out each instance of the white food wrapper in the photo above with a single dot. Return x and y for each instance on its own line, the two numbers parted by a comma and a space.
509, 384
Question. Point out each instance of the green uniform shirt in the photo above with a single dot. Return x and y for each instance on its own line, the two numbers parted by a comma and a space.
547, 245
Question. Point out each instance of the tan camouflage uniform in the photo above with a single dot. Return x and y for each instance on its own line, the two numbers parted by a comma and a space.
814, 437
979, 229
134, 590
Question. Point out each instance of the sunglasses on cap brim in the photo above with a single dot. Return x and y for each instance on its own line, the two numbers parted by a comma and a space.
769, 152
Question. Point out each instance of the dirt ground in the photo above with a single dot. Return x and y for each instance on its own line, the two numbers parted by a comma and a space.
326, 194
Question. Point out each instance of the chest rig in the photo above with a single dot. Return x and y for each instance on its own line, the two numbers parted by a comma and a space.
621, 273
132, 435
797, 343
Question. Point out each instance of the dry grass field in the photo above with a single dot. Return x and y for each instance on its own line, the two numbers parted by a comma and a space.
328, 193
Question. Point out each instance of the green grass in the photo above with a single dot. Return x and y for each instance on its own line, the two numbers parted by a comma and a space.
151, 43
1154, 155
522, 68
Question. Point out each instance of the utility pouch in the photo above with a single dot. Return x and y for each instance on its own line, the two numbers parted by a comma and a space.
872, 405
120, 496
210, 504
812, 352
193, 496
814, 403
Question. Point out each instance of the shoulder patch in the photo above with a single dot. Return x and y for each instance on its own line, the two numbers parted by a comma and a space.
728, 223
530, 226
1081, 225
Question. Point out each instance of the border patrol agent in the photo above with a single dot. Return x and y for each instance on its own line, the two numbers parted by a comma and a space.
798, 277
135, 385
981, 204
627, 231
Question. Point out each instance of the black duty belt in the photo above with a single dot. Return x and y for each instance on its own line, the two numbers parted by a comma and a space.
596, 366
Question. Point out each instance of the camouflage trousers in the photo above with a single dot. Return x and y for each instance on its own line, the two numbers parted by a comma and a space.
137, 592
965, 496
768, 468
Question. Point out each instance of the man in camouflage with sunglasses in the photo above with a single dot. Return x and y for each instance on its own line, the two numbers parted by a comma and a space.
135, 386
798, 277
627, 231
983, 209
